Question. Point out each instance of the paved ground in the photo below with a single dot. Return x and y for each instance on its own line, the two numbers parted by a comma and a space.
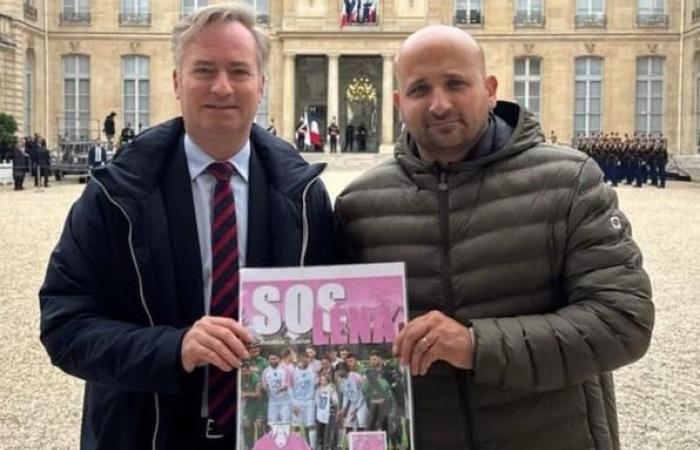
658, 398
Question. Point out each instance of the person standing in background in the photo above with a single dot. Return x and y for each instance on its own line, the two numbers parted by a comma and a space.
20, 164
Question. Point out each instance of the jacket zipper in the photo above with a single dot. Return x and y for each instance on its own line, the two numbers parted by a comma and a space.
448, 291
141, 295
305, 220
444, 220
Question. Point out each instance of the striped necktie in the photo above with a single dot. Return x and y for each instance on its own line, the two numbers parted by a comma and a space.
224, 292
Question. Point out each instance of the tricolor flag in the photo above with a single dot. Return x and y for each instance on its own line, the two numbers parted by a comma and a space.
315, 136
307, 135
350, 11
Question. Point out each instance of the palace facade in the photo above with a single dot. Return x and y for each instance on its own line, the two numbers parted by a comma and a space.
581, 65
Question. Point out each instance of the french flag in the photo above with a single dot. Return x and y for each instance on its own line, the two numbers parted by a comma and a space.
349, 12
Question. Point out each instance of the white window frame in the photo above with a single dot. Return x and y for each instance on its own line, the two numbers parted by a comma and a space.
651, 7
468, 6
135, 6
588, 78
262, 115
529, 7
141, 77
75, 6
587, 7
649, 79
528, 78
71, 72
261, 7
187, 6
29, 68
696, 105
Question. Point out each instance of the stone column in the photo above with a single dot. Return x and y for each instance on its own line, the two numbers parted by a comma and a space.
387, 145
289, 96
332, 93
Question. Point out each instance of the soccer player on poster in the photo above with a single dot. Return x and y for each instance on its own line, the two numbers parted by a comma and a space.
276, 384
251, 394
326, 403
303, 390
354, 413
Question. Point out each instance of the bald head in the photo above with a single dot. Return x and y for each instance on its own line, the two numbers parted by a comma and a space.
451, 39
444, 95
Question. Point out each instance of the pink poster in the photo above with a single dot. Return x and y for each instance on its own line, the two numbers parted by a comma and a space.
367, 440
322, 369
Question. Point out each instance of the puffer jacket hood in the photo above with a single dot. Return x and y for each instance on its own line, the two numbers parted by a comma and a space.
526, 134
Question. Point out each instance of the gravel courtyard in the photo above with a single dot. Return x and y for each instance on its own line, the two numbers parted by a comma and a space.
658, 397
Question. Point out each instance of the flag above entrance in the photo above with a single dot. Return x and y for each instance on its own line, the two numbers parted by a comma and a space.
358, 12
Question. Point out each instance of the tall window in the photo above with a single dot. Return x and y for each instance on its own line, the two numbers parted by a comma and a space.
28, 92
527, 84
190, 5
649, 94
651, 7
136, 81
30, 11
588, 108
529, 12
76, 97
468, 12
261, 8
135, 12
697, 101
652, 13
590, 12
75, 11
262, 117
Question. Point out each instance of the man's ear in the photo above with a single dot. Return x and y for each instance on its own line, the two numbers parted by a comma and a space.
491, 85
176, 84
262, 87
397, 99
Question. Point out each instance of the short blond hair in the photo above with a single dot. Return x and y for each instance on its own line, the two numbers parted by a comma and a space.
188, 27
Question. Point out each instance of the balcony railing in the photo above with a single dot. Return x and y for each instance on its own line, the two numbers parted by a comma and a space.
472, 17
75, 18
134, 19
594, 20
652, 20
695, 15
263, 19
523, 19
30, 12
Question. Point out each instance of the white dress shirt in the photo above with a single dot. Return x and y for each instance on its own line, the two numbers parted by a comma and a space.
203, 184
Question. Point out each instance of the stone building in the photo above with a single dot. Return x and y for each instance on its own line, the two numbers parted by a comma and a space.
581, 65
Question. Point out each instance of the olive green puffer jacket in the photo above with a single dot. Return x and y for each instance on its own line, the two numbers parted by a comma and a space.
528, 246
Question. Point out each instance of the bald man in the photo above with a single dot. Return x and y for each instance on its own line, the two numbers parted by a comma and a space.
524, 285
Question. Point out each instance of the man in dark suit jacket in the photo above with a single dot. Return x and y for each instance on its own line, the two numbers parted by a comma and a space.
43, 159
128, 303
109, 128
20, 164
97, 157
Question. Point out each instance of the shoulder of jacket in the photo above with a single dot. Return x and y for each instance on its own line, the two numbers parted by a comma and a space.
550, 157
387, 174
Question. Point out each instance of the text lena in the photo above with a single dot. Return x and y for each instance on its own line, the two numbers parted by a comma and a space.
323, 313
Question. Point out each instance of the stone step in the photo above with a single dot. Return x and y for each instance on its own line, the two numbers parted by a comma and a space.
689, 164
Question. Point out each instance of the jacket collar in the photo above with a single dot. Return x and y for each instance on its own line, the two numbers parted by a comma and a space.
526, 134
